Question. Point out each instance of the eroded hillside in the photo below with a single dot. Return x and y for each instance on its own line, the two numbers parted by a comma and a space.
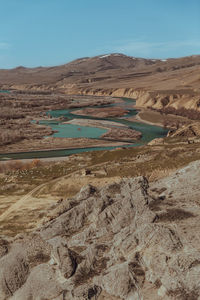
153, 82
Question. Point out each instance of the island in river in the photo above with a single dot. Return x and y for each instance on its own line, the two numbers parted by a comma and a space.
107, 126
104, 112
115, 131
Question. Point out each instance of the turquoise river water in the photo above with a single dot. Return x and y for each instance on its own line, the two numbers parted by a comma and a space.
149, 132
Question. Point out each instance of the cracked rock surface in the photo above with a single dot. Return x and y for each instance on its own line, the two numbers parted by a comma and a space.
126, 241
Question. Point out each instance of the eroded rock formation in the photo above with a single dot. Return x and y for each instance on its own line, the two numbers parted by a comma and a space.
124, 241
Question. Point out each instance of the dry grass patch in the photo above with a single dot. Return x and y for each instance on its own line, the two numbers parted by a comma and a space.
159, 173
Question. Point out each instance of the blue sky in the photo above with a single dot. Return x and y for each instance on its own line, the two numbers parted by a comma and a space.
52, 32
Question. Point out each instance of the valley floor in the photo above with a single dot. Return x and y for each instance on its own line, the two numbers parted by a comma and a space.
156, 118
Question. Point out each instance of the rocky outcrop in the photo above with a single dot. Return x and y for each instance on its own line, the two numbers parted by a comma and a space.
176, 100
124, 241
158, 141
148, 99
192, 130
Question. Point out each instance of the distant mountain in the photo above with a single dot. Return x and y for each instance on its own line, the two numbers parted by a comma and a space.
116, 75
96, 68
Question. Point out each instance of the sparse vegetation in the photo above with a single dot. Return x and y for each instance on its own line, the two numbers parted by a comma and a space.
9, 136
17, 165
8, 113
16, 113
174, 214
19, 108
188, 113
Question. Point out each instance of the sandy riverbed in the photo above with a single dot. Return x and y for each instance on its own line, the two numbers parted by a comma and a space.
95, 123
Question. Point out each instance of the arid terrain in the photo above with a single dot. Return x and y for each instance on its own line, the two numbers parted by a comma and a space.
121, 224
19, 134
154, 83
167, 87
120, 237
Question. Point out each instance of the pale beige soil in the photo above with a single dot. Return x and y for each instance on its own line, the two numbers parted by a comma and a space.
95, 123
6, 202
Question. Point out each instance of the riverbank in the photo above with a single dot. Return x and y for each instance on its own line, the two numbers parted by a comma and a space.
146, 116
51, 143
149, 117
20, 108
152, 117
95, 123
65, 142
104, 112
115, 131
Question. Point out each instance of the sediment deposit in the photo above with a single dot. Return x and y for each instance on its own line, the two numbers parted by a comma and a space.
120, 134
116, 131
104, 112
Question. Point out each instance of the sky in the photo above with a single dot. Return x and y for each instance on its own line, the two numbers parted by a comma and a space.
53, 32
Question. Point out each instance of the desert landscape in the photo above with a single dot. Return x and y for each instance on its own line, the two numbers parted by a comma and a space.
120, 223
100, 150
172, 100
110, 224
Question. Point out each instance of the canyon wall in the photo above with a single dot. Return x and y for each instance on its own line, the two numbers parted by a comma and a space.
156, 99
153, 99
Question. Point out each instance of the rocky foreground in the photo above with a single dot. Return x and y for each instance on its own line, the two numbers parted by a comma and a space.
132, 240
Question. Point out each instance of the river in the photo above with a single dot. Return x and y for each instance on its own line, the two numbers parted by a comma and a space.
149, 132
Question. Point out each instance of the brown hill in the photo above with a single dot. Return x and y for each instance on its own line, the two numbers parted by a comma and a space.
154, 82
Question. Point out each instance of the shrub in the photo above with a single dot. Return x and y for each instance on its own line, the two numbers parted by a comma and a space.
188, 113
